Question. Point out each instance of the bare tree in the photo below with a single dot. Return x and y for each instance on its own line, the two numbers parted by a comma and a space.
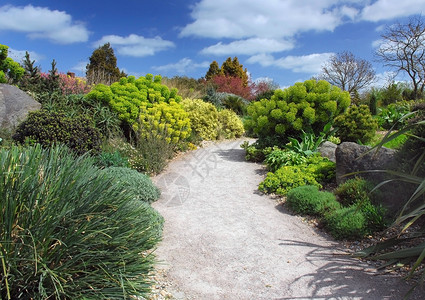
403, 49
348, 72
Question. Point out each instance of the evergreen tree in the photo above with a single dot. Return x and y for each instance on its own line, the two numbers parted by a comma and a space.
102, 67
213, 70
31, 80
52, 82
232, 68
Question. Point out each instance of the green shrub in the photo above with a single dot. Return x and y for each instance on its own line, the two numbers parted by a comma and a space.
389, 117
111, 159
285, 179
353, 191
279, 158
203, 118
168, 120
68, 231
231, 125
48, 128
309, 200
346, 223
314, 171
356, 124
127, 96
235, 103
357, 192
308, 105
137, 183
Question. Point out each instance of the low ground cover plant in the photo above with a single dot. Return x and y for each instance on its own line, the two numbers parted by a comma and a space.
315, 170
70, 231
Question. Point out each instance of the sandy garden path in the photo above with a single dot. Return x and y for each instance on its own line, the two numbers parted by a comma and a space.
225, 240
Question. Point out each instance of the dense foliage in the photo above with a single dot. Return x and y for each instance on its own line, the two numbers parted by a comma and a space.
308, 105
127, 96
137, 183
203, 118
308, 200
356, 124
49, 128
168, 120
10, 70
70, 231
314, 170
231, 125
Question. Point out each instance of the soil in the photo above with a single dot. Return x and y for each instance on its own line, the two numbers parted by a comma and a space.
223, 239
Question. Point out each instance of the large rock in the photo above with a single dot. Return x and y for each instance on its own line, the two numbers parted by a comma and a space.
351, 157
327, 149
14, 106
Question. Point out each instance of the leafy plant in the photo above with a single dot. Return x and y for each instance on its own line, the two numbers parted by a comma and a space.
111, 159
356, 124
279, 158
68, 231
309, 200
393, 116
314, 171
309, 141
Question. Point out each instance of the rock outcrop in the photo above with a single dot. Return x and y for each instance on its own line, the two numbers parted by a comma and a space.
14, 106
327, 149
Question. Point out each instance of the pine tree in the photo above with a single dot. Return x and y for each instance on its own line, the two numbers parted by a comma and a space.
31, 80
232, 68
102, 67
213, 70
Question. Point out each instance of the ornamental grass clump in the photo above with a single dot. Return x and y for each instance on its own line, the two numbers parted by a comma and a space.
70, 231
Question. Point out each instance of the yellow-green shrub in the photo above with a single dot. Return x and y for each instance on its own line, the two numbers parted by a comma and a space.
306, 105
127, 96
231, 125
168, 120
203, 118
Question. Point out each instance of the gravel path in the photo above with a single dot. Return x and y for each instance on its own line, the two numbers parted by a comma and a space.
225, 240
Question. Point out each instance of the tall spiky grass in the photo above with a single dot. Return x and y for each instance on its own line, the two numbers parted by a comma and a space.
68, 231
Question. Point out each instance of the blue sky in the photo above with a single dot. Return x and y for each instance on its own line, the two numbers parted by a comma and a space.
284, 40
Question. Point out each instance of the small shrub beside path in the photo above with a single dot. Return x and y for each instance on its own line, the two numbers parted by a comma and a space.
223, 239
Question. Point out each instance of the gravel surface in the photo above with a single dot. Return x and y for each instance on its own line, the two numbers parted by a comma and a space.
225, 240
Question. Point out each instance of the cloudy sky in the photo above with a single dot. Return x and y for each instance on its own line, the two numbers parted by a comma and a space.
284, 40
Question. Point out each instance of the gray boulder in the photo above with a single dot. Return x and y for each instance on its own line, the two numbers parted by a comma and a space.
14, 106
327, 149
351, 157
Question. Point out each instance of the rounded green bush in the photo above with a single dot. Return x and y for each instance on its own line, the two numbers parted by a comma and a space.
139, 184
203, 118
305, 106
346, 223
356, 124
353, 191
309, 200
48, 128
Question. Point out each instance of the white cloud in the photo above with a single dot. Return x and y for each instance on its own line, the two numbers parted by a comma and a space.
249, 47
80, 68
135, 45
391, 9
19, 55
311, 64
182, 66
42, 23
241, 19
